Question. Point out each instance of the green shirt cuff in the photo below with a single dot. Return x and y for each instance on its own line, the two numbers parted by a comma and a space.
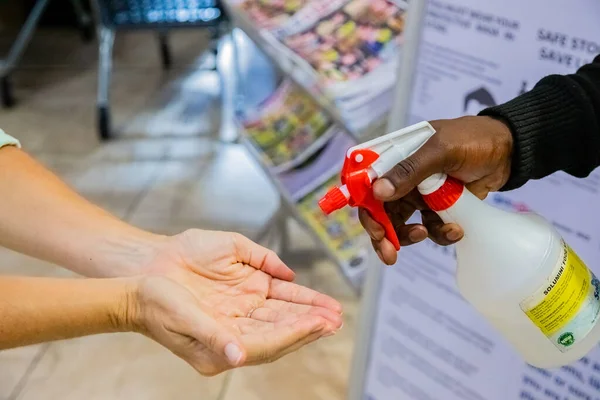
7, 140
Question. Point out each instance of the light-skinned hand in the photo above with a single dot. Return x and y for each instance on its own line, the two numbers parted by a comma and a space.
219, 300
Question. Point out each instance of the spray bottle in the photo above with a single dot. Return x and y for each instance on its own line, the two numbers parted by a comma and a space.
514, 268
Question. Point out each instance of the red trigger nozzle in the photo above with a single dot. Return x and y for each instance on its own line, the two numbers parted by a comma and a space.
333, 200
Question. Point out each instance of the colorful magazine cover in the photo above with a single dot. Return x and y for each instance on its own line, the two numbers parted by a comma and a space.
319, 167
352, 41
270, 14
308, 16
287, 125
341, 231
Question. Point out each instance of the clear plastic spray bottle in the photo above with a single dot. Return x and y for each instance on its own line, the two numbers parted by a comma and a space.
514, 268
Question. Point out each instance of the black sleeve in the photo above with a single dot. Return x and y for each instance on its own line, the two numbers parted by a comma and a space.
556, 126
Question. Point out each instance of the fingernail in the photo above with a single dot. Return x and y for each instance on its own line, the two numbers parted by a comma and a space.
416, 235
452, 236
332, 333
384, 189
233, 353
379, 254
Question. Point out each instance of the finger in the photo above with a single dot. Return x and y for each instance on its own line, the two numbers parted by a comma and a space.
411, 234
479, 188
292, 348
278, 310
442, 234
375, 231
274, 320
377, 247
400, 211
407, 205
292, 292
251, 327
261, 258
387, 252
269, 346
213, 335
205, 362
407, 174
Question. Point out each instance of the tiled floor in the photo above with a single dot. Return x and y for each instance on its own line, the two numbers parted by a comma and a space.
165, 173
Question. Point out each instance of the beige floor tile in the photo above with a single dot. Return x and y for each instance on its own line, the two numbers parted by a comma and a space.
63, 48
117, 366
14, 365
60, 108
47, 49
187, 107
142, 102
13, 263
115, 187
306, 374
317, 372
224, 192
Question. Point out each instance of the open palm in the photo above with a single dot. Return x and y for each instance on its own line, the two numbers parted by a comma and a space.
248, 295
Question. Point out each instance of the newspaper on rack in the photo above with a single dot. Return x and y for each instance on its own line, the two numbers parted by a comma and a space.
272, 15
288, 127
319, 167
308, 16
354, 48
345, 51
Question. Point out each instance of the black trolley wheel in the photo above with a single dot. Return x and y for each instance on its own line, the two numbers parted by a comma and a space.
165, 52
88, 32
6, 92
104, 126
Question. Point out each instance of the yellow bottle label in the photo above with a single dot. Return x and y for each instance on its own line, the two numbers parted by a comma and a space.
566, 308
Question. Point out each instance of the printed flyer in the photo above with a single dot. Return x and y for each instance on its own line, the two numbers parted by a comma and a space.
427, 342
271, 14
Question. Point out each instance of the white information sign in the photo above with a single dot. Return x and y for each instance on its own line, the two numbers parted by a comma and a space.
427, 343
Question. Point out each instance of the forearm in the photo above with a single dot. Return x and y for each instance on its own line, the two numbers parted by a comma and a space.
43, 217
35, 310
555, 126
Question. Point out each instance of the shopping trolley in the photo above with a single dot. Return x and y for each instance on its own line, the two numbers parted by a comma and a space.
157, 15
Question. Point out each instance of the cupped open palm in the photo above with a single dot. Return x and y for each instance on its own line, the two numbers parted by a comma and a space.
244, 291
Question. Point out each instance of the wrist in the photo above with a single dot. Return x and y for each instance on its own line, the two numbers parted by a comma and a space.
128, 254
505, 144
503, 138
552, 131
124, 313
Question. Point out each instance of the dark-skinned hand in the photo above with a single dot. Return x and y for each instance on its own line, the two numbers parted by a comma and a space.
474, 150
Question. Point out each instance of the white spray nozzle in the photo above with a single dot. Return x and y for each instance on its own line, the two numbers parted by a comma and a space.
396, 146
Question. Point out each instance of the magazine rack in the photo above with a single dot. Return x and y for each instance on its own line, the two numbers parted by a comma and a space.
284, 176
297, 206
333, 239
293, 66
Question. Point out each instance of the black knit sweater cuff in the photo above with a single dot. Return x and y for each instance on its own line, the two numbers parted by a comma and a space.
550, 132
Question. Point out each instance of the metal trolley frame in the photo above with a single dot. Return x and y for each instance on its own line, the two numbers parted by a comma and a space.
9, 63
152, 15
